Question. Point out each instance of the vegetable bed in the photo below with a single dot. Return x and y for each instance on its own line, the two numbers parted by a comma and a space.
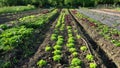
106, 37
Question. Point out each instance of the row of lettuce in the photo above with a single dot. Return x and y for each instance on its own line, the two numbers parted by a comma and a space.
109, 33
14, 9
63, 37
22, 35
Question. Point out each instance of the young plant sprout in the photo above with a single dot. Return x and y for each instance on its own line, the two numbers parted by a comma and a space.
83, 48
41, 63
48, 48
90, 57
57, 47
54, 37
78, 36
72, 50
70, 45
57, 52
57, 58
75, 54
93, 65
76, 62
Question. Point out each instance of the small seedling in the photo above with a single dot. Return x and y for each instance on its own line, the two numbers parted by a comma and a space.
57, 58
48, 48
75, 54
76, 62
69, 27
89, 57
41, 63
54, 37
83, 48
78, 36
71, 40
57, 52
93, 65
70, 35
57, 47
70, 45
72, 50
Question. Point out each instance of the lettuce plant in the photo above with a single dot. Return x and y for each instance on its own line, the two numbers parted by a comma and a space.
54, 37
75, 54
57, 58
90, 57
76, 62
57, 52
57, 47
59, 42
72, 50
83, 48
93, 65
48, 48
41, 63
71, 40
70, 35
69, 27
70, 45
78, 36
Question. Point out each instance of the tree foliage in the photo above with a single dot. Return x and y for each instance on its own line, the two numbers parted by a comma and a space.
57, 3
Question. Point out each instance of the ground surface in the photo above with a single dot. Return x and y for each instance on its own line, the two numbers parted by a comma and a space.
105, 54
108, 17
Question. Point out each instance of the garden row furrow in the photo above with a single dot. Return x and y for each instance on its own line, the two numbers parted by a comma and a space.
101, 44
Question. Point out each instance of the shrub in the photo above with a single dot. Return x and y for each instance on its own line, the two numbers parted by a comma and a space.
41, 63
76, 62
89, 57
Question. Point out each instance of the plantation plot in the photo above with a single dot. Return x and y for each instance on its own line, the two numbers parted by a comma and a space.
20, 41
57, 38
65, 47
